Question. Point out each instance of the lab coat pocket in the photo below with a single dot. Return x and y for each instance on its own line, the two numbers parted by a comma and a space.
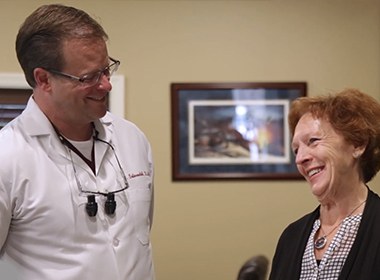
140, 200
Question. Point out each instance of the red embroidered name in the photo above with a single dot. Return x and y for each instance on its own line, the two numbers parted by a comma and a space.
141, 173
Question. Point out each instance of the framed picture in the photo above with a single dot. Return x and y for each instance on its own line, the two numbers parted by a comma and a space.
232, 130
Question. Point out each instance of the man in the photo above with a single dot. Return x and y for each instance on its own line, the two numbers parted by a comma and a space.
76, 182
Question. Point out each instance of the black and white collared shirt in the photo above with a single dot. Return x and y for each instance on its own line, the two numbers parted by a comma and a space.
332, 262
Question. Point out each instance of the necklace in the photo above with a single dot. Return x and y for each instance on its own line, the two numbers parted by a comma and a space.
321, 241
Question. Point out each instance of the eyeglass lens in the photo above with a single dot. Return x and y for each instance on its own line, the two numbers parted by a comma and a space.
93, 79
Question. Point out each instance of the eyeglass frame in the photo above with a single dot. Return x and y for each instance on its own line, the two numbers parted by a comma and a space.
79, 185
82, 79
110, 204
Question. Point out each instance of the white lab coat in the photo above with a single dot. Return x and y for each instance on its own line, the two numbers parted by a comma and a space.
44, 227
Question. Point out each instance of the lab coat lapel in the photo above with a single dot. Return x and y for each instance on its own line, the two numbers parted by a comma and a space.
105, 129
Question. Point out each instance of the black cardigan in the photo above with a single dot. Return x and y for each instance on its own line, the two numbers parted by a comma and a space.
363, 261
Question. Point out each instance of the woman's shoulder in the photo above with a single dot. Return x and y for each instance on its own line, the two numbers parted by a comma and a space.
303, 223
372, 204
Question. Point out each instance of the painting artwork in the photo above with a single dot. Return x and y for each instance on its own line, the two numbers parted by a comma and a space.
232, 132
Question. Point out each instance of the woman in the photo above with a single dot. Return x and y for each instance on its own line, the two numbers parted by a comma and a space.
336, 142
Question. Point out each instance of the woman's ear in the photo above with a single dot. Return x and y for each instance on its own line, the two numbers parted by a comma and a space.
358, 151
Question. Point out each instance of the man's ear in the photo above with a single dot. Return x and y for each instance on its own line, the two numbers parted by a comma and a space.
42, 78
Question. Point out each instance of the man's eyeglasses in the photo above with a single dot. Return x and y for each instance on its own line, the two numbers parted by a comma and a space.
91, 79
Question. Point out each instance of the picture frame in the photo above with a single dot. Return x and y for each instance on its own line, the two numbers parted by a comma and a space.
233, 130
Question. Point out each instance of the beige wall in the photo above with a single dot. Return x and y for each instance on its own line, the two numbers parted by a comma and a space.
206, 230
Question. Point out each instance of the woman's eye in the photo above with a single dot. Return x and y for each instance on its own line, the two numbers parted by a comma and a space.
313, 140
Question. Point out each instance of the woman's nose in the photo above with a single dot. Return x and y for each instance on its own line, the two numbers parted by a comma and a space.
302, 155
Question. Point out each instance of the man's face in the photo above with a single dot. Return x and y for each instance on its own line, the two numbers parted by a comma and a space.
73, 102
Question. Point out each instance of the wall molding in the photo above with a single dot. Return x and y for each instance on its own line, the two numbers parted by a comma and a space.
116, 96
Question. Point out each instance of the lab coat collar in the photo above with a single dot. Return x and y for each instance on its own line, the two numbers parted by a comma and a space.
34, 121
36, 124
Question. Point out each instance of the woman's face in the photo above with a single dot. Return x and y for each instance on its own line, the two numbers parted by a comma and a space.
323, 157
